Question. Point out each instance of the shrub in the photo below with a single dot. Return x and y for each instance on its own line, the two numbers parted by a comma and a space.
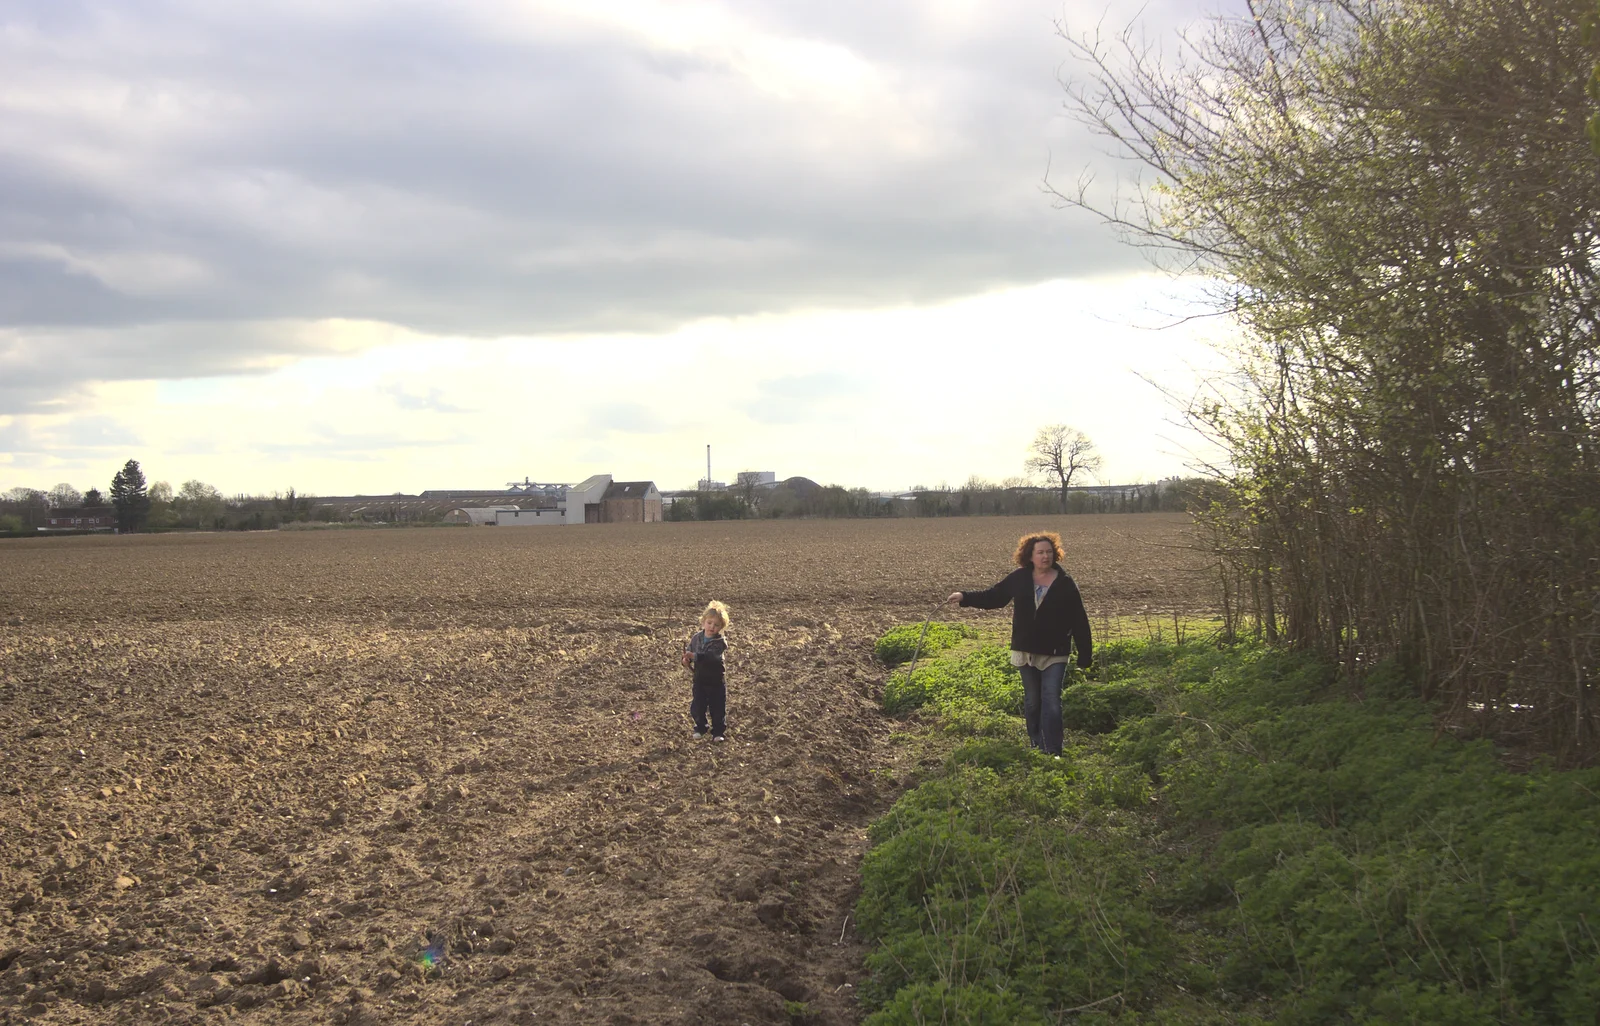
987, 879
939, 1002
984, 677
899, 644
1306, 858
1098, 708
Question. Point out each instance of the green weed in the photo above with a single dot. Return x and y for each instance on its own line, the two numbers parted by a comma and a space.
900, 644
1229, 837
981, 679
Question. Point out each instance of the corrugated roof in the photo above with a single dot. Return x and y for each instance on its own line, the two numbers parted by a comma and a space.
482, 514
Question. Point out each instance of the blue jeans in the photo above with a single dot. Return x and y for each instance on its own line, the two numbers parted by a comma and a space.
1041, 706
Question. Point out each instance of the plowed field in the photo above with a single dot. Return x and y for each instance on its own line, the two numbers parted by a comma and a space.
445, 776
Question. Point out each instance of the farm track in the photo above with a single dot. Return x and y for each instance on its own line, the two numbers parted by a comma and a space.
445, 776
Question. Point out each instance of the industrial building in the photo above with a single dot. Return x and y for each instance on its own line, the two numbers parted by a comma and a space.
597, 500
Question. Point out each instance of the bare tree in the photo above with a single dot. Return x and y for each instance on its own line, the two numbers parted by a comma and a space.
1063, 453
161, 512
749, 491
198, 505
64, 496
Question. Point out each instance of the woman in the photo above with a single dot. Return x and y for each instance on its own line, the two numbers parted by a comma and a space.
1047, 617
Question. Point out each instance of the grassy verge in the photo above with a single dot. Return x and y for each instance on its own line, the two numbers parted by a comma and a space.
1227, 839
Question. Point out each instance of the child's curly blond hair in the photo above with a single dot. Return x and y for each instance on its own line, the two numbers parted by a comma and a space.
718, 612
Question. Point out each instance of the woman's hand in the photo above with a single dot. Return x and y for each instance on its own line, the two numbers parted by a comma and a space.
955, 598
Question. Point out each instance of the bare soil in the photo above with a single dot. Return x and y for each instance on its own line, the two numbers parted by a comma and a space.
445, 776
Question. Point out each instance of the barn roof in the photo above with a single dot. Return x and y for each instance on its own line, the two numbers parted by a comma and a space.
629, 489
481, 514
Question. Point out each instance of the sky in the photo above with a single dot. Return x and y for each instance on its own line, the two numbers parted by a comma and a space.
376, 246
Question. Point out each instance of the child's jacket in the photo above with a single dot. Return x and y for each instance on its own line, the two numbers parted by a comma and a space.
706, 651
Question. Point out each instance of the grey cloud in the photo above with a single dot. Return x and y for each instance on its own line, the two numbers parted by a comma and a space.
165, 164
72, 439
42, 369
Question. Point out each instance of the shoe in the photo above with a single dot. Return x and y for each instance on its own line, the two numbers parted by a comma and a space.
718, 737
698, 735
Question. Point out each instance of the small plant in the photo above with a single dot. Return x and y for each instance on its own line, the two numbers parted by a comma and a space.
984, 676
939, 1003
899, 644
1098, 708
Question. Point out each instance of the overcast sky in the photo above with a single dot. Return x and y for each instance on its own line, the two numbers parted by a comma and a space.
389, 245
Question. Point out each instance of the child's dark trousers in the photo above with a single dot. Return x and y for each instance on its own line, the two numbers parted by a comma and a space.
710, 696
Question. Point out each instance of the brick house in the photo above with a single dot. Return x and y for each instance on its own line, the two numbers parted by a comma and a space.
93, 518
630, 502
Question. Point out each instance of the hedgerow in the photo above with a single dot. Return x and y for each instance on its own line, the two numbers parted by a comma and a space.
1228, 837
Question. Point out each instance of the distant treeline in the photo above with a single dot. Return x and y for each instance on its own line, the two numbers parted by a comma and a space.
195, 506
199, 506
800, 498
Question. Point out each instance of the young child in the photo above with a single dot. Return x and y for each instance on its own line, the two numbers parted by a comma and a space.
703, 654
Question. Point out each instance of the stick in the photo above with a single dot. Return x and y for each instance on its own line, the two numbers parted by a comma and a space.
916, 653
1080, 1008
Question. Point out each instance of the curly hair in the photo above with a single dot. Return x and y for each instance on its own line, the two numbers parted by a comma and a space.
718, 612
1024, 553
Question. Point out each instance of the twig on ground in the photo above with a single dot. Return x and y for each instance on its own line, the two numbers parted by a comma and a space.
1084, 1008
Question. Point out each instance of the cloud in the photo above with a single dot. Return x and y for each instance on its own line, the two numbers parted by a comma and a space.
798, 398
432, 402
68, 437
808, 394
44, 370
329, 442
180, 180
624, 418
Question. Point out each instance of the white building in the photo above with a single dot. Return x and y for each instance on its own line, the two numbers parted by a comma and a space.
582, 502
477, 516
529, 517
597, 500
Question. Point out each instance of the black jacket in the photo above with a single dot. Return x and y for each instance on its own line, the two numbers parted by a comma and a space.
707, 651
1059, 621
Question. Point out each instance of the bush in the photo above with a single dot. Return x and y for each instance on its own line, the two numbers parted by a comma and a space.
1098, 708
939, 1002
986, 879
899, 644
982, 679
1377, 870
1237, 840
